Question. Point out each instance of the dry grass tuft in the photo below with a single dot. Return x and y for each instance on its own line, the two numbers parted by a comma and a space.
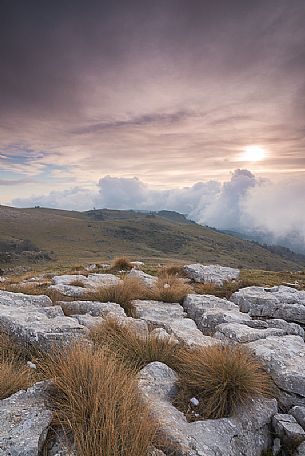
13, 377
130, 288
14, 374
121, 264
222, 291
222, 378
77, 283
170, 288
172, 270
96, 397
134, 350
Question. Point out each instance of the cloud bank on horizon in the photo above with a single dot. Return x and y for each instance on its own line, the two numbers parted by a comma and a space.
244, 203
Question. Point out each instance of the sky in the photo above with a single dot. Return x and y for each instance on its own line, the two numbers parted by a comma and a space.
103, 102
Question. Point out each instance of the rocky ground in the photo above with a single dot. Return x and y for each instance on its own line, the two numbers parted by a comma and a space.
268, 321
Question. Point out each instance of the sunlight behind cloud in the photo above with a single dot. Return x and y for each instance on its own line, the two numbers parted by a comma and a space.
253, 153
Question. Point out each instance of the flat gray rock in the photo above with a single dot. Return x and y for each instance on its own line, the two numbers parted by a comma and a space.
173, 319
209, 311
147, 279
8, 298
42, 327
94, 308
24, 421
290, 433
290, 329
298, 413
277, 302
285, 358
236, 332
247, 434
212, 273
64, 283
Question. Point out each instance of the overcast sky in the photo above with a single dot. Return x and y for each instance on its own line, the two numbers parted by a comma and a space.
172, 92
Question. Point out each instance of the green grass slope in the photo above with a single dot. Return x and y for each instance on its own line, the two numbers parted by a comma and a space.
103, 234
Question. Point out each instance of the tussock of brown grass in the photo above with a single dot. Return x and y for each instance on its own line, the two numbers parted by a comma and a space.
221, 291
121, 264
222, 378
135, 350
14, 374
173, 269
13, 377
77, 283
96, 397
170, 288
130, 288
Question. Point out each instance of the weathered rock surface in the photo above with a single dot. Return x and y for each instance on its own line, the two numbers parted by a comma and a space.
290, 433
248, 434
300, 451
102, 280
212, 273
24, 421
285, 358
69, 290
66, 279
236, 332
88, 320
292, 329
209, 311
59, 443
94, 308
42, 327
147, 279
8, 298
173, 319
298, 413
64, 283
277, 302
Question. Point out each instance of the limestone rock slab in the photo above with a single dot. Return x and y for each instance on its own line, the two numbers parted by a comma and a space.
209, 311
277, 302
212, 273
24, 421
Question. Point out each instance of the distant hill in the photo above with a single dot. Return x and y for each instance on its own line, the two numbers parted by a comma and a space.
97, 235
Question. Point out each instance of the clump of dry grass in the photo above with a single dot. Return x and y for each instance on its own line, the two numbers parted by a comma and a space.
14, 374
13, 377
121, 264
96, 397
222, 291
133, 349
170, 288
123, 293
173, 269
222, 378
77, 283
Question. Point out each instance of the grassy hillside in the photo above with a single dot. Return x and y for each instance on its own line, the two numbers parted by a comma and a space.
99, 235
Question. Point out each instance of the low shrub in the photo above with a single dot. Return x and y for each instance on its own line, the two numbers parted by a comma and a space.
96, 397
221, 377
133, 349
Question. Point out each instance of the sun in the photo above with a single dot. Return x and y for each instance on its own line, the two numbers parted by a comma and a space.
253, 153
